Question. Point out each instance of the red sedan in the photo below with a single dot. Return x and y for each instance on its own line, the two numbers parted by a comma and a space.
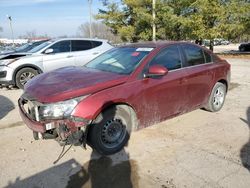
122, 90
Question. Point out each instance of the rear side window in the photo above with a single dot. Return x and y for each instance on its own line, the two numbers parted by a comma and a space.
208, 57
194, 55
62, 46
169, 58
215, 58
80, 45
96, 43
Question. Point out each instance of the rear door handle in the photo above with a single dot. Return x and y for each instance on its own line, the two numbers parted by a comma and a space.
95, 53
69, 56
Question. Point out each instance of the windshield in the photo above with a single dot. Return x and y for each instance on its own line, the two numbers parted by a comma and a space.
27, 47
41, 46
119, 60
23, 47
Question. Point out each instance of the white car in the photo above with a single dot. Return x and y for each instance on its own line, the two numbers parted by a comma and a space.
48, 56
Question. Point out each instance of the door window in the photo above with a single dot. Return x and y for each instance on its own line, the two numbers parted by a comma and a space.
96, 43
62, 46
207, 57
194, 55
169, 58
80, 45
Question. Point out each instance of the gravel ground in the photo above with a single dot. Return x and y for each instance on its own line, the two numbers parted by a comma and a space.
197, 149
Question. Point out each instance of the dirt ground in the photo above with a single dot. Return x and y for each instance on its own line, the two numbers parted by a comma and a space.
197, 149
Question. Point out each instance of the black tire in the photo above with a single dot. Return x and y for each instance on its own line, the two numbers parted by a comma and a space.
110, 131
217, 97
24, 75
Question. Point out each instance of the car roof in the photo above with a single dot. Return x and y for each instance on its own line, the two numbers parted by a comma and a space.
151, 44
92, 39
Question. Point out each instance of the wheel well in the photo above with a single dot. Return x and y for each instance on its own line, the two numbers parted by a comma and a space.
225, 83
129, 109
26, 66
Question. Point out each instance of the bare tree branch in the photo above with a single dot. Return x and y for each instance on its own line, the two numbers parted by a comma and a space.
99, 30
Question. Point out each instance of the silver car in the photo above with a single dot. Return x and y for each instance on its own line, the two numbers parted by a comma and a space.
48, 56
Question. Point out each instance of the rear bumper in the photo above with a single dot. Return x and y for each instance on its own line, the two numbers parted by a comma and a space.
33, 125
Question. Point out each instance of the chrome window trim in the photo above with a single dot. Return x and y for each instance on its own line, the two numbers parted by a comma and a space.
191, 66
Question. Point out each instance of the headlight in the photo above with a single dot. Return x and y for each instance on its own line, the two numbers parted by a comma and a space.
7, 62
59, 109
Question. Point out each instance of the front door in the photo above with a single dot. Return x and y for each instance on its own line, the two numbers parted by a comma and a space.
60, 57
165, 96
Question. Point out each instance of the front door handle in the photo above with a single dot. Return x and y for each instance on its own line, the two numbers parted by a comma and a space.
69, 56
95, 53
183, 80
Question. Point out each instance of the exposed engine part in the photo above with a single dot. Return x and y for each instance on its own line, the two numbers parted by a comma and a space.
65, 135
76, 138
50, 134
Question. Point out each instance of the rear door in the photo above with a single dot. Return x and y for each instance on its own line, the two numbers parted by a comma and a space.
165, 96
60, 57
199, 67
85, 50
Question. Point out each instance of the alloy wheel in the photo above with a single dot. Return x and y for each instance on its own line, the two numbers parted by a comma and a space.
219, 97
25, 77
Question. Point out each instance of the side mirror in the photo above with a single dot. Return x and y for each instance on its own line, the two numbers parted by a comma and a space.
156, 71
49, 51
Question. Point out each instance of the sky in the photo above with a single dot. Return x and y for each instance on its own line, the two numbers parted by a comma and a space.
52, 17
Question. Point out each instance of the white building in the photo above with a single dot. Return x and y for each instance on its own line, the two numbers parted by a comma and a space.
10, 41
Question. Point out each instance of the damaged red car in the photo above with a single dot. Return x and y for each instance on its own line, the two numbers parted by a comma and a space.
122, 90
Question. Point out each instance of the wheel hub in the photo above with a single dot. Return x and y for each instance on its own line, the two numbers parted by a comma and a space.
25, 77
219, 97
113, 132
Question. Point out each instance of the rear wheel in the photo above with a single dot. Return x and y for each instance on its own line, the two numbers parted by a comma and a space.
110, 131
24, 75
217, 97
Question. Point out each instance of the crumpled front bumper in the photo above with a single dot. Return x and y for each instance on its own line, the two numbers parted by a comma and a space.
32, 124
70, 130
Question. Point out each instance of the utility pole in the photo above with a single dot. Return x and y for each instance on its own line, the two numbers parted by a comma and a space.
90, 18
153, 15
12, 33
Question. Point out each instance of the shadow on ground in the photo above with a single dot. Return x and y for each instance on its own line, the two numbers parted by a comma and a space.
245, 150
6, 106
113, 171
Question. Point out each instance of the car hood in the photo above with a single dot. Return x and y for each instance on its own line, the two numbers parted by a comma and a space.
14, 55
70, 82
7, 52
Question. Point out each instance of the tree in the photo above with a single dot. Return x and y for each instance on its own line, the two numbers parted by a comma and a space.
132, 21
177, 20
99, 30
33, 34
210, 19
172, 18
